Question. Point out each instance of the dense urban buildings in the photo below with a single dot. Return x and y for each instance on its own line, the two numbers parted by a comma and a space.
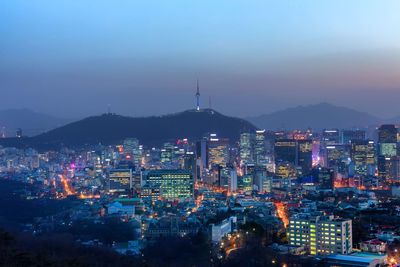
321, 197
316, 195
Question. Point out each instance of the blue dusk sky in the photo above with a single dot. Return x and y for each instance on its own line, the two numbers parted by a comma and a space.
74, 57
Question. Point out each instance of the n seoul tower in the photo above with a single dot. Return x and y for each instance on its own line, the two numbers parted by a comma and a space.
198, 96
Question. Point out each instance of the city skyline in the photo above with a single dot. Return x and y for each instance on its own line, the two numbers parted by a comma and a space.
199, 133
273, 55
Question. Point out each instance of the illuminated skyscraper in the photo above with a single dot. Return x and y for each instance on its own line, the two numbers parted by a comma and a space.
363, 157
133, 150
387, 151
260, 148
167, 153
330, 136
337, 157
246, 148
245, 183
190, 164
304, 152
218, 151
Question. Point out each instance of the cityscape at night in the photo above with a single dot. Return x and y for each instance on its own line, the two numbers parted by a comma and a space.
199, 133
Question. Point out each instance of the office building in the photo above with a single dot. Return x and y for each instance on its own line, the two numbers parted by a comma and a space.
247, 148
260, 148
245, 183
330, 136
233, 181
363, 157
323, 177
347, 136
167, 153
321, 235
286, 151
304, 155
190, 164
119, 180
167, 184
337, 157
133, 150
218, 151
387, 151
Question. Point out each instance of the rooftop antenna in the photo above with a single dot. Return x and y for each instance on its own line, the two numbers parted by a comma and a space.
109, 109
198, 96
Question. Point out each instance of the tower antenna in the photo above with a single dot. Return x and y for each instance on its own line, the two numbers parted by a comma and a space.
198, 96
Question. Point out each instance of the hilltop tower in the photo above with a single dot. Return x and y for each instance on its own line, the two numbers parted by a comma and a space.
198, 96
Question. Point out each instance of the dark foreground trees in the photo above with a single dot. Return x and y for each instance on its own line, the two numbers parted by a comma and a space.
57, 251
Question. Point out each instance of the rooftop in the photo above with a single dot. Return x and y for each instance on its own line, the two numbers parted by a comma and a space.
358, 257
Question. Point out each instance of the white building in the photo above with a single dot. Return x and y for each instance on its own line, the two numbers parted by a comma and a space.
218, 231
232, 182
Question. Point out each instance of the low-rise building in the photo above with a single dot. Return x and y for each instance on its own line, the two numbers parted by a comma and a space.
218, 231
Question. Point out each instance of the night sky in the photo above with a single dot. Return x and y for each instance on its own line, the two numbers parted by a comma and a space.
72, 58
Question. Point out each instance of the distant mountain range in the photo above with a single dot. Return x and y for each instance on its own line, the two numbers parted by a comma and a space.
111, 129
151, 131
319, 116
31, 122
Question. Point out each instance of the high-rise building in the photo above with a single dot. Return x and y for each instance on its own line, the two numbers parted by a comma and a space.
202, 153
387, 133
119, 180
330, 136
321, 234
247, 148
387, 151
218, 151
304, 155
190, 164
167, 153
232, 181
352, 135
260, 152
363, 157
245, 183
167, 184
133, 150
336, 157
286, 151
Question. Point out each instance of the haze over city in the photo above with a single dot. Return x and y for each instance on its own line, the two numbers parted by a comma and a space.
73, 58
258, 133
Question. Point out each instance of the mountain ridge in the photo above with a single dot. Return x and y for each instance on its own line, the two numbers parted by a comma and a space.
112, 128
316, 116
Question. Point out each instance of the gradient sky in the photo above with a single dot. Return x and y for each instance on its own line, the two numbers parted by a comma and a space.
72, 58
